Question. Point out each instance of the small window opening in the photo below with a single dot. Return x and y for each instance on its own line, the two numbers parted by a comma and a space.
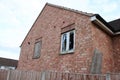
37, 49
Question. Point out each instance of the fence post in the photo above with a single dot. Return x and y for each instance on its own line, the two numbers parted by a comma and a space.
8, 75
108, 76
43, 75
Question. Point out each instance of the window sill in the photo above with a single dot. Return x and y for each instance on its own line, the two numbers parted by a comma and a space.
36, 57
66, 52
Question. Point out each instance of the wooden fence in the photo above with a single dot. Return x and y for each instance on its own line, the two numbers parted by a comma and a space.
3, 74
49, 75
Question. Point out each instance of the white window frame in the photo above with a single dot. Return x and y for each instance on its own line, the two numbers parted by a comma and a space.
67, 43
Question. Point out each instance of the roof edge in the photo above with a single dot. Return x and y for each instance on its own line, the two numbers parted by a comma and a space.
70, 9
33, 24
97, 19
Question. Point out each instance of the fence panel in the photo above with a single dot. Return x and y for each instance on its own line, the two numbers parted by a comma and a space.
58, 76
24, 75
3, 74
114, 76
50, 75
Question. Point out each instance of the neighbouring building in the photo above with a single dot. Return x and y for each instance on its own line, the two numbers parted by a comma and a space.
67, 40
8, 64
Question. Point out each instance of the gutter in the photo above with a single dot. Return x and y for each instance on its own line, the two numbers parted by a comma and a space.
103, 25
117, 33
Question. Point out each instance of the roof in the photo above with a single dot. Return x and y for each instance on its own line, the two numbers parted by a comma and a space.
115, 25
8, 62
111, 28
104, 22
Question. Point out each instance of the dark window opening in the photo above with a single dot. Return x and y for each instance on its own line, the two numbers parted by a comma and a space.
71, 40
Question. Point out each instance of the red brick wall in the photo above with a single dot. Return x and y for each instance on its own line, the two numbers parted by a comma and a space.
116, 45
103, 42
87, 37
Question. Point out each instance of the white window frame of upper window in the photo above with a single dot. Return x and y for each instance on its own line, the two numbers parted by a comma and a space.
67, 43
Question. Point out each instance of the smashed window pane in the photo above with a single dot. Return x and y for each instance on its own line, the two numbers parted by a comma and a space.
64, 42
71, 40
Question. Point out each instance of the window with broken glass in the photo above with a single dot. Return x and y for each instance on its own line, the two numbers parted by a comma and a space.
68, 42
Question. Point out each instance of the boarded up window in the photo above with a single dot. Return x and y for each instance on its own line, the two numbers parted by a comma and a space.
37, 49
96, 62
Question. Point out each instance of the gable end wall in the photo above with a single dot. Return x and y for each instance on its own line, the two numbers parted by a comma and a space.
88, 37
48, 27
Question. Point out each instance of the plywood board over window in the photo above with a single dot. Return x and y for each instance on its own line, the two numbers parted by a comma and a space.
37, 48
96, 62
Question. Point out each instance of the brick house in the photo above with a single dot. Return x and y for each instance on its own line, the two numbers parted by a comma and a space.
8, 64
63, 39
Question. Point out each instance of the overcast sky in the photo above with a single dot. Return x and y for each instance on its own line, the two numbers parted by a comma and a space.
17, 17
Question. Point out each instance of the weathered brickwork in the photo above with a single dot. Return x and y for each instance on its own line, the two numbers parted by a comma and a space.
103, 42
49, 27
116, 53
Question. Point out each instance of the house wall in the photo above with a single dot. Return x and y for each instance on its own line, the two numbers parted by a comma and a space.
103, 42
48, 27
116, 51
88, 37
